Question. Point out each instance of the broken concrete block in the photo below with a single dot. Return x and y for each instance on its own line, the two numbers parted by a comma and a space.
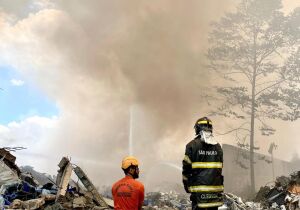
9, 160
90, 187
49, 197
7, 175
16, 204
63, 178
33, 204
7, 155
67, 205
29, 204
62, 165
79, 202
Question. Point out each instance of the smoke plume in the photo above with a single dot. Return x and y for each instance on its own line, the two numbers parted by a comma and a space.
98, 60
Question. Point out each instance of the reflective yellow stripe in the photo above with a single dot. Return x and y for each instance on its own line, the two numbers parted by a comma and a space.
206, 188
187, 159
184, 177
204, 122
207, 205
207, 165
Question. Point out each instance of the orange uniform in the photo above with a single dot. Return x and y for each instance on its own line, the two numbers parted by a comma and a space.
128, 194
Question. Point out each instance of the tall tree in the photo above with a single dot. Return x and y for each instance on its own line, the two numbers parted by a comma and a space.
256, 49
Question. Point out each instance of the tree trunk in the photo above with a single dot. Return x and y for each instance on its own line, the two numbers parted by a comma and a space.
252, 175
253, 84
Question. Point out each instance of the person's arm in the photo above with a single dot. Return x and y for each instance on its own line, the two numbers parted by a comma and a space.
222, 155
186, 168
141, 197
222, 160
113, 193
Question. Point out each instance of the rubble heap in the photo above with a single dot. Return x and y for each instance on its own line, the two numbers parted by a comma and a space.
176, 201
167, 201
284, 194
21, 191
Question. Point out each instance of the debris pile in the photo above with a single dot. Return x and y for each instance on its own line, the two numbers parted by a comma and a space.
167, 201
284, 195
233, 202
173, 200
19, 189
22, 191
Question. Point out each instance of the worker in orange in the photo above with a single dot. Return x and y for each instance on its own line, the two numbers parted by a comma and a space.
128, 193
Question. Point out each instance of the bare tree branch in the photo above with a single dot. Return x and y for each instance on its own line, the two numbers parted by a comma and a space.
235, 129
277, 83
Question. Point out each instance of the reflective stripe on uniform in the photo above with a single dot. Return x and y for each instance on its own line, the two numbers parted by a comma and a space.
204, 122
187, 159
207, 165
207, 205
184, 178
206, 188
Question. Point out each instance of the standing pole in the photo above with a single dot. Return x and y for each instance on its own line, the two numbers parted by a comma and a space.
130, 131
273, 167
272, 147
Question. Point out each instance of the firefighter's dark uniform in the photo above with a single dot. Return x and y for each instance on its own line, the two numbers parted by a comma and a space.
202, 174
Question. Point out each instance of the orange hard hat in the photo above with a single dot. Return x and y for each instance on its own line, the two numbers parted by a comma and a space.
129, 161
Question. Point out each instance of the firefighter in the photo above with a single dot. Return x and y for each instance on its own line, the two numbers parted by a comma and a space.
128, 193
202, 168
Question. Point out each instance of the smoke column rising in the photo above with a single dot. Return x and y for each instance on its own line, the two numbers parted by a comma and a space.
96, 59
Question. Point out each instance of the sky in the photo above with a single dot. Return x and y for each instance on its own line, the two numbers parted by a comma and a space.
72, 75
20, 100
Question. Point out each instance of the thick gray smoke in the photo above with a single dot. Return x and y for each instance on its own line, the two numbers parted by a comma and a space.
98, 60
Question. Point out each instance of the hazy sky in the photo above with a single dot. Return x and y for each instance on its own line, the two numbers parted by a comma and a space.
72, 71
